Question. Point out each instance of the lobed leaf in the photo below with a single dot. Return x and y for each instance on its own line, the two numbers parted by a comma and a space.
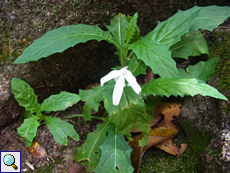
136, 66
130, 114
59, 101
170, 31
117, 27
90, 150
155, 56
115, 155
201, 70
151, 104
180, 87
60, 130
28, 129
92, 98
61, 39
191, 44
128, 97
133, 117
104, 93
25, 95
130, 30
210, 17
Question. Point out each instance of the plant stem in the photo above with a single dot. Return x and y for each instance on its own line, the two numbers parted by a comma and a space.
130, 55
123, 58
80, 115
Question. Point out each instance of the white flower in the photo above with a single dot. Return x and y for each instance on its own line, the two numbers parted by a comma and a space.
120, 76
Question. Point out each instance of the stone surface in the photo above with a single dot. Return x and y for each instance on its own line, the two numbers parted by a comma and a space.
25, 21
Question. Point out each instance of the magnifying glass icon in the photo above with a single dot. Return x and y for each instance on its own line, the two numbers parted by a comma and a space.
9, 160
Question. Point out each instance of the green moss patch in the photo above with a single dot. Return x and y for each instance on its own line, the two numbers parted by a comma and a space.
220, 47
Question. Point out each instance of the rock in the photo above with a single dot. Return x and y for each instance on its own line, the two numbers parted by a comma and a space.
212, 115
76, 67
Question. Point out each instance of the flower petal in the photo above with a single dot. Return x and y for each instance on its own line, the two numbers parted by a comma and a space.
118, 90
109, 76
132, 82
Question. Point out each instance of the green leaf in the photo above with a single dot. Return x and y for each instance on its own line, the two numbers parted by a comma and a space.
128, 96
170, 31
151, 104
90, 150
180, 87
60, 130
130, 114
117, 28
115, 154
59, 101
133, 117
210, 17
28, 129
25, 95
191, 44
92, 98
27, 114
131, 28
201, 70
61, 39
136, 66
155, 56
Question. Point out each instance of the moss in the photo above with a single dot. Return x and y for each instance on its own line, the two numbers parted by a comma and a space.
161, 162
225, 109
220, 47
43, 169
11, 49
47, 168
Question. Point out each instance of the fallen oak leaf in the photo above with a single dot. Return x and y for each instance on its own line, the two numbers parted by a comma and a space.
182, 148
136, 153
75, 167
156, 136
167, 124
37, 150
170, 148
169, 110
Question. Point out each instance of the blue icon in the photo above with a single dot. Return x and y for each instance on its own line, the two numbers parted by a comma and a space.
9, 160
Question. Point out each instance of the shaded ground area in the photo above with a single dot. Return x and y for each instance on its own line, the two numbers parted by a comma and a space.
59, 156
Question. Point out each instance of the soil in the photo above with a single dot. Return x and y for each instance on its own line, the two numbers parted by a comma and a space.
59, 157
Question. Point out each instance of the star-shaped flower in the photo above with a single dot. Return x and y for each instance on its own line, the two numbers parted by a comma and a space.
120, 76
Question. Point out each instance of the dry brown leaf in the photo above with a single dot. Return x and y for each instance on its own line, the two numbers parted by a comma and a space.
136, 153
182, 148
170, 148
156, 136
37, 150
163, 131
144, 79
167, 124
155, 120
75, 167
169, 110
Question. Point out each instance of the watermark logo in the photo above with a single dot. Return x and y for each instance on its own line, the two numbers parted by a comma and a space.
10, 161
